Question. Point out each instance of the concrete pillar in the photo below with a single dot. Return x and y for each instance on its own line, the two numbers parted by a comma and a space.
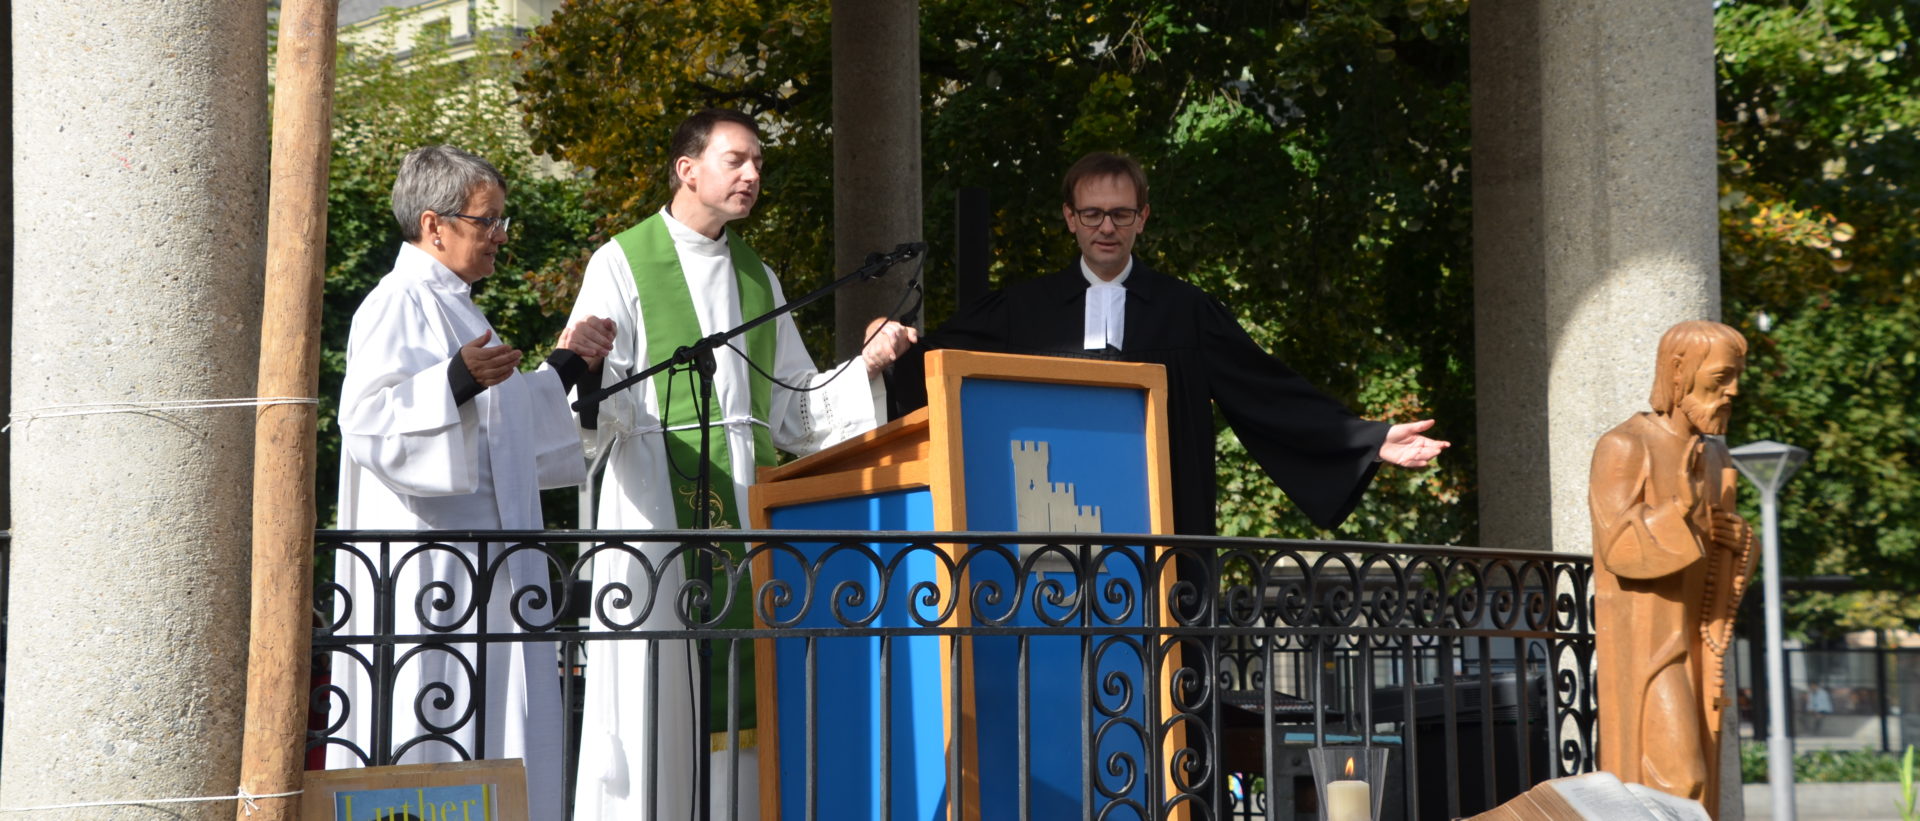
139, 168
876, 153
6, 277
1595, 229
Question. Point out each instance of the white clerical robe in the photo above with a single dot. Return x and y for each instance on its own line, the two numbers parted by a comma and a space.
629, 707
413, 459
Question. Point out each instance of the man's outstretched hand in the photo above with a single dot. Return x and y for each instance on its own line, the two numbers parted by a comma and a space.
1407, 448
591, 339
886, 341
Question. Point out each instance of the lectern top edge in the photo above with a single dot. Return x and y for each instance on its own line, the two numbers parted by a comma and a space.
903, 431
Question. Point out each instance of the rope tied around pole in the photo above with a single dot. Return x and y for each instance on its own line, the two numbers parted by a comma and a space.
162, 407
245, 798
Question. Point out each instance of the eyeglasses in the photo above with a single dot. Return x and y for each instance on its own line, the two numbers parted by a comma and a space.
1122, 217
487, 223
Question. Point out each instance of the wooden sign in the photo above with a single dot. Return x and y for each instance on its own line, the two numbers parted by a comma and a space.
457, 791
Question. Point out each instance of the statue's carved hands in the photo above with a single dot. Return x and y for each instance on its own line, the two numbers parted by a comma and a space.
1730, 531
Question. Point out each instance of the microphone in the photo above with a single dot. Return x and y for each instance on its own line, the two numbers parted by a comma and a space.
878, 263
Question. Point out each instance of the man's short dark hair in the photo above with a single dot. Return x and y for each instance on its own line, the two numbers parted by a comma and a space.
1103, 164
690, 138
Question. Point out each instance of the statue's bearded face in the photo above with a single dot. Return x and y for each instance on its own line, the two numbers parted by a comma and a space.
1707, 403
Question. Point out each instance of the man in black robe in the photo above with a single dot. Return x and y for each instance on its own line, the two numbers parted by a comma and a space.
1318, 452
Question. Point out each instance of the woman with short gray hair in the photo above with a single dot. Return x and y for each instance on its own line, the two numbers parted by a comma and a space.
440, 430
438, 179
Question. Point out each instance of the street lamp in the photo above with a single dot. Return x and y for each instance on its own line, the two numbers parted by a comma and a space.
1768, 465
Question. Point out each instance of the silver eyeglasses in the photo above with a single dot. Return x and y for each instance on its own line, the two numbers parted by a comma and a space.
487, 223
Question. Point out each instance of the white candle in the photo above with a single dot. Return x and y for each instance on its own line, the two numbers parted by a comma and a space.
1349, 801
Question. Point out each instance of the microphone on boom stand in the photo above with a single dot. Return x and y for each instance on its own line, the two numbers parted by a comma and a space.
878, 263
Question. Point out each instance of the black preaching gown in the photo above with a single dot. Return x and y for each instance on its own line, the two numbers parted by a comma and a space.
1316, 450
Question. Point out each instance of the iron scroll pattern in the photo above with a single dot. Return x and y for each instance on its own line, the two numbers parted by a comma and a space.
1199, 661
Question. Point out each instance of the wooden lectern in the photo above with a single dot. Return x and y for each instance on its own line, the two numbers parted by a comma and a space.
1005, 444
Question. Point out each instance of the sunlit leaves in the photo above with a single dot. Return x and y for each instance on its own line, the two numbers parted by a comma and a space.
1820, 235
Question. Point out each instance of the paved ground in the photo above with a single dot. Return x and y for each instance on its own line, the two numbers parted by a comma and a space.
1829, 802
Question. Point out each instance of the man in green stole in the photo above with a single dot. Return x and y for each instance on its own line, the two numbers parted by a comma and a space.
678, 276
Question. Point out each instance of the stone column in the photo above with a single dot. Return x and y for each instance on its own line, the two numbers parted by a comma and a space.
139, 169
1595, 229
876, 153
6, 279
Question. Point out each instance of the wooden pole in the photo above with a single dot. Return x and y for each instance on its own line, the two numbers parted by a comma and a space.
281, 642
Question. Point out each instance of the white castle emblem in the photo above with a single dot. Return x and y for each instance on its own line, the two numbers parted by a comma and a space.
1044, 506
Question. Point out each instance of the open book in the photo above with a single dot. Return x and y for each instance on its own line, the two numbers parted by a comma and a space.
1595, 797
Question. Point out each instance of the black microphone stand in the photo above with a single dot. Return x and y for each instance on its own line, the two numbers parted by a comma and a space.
698, 360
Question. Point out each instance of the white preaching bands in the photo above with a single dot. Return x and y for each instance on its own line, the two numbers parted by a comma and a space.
1106, 314
162, 406
242, 796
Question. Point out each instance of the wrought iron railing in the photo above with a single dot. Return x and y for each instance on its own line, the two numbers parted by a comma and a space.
1194, 672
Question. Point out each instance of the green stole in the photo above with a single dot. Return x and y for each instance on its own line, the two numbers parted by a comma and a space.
666, 307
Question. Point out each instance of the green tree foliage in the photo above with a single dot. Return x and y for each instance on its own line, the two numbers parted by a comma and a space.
387, 104
1307, 163
1820, 219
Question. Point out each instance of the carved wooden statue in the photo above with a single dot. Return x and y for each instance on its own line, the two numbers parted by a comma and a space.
1671, 560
